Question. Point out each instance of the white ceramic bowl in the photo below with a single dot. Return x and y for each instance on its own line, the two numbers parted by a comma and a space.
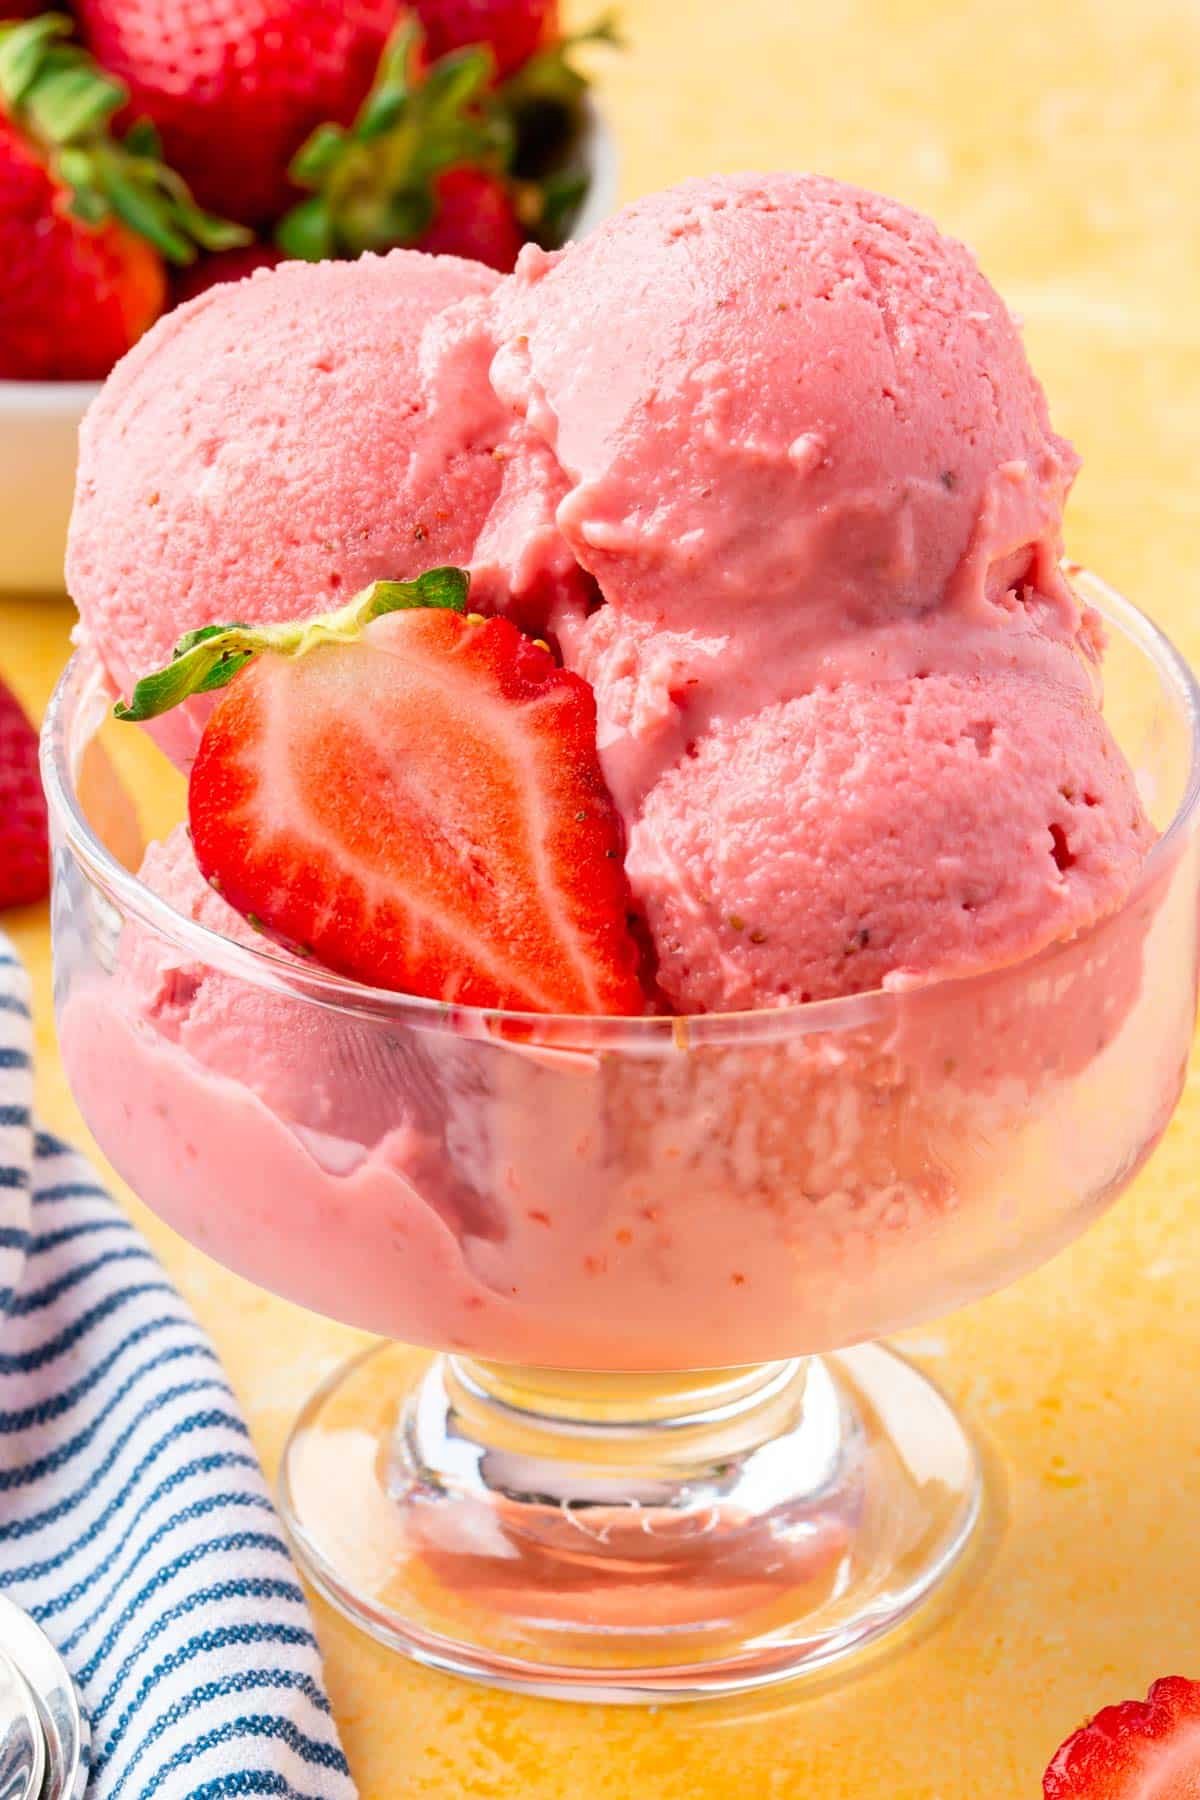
39, 423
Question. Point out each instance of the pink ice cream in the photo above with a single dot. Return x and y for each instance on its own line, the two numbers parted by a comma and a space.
705, 1201
784, 403
805, 458
275, 445
859, 835
766, 458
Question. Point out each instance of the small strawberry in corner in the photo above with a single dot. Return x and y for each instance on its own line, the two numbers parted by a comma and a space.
86, 222
412, 796
24, 857
1141, 1750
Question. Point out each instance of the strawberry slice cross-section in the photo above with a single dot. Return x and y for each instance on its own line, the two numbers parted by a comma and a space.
416, 801
1141, 1750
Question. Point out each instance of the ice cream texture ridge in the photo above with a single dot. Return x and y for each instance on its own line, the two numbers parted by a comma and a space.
763, 464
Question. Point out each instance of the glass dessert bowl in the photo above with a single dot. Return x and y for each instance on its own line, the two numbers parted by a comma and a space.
659, 1452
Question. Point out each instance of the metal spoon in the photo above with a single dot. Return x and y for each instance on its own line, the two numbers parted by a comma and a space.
22, 1742
62, 1736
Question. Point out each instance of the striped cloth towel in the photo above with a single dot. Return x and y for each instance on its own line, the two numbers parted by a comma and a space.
135, 1525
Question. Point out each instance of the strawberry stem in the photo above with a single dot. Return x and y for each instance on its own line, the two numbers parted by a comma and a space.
209, 658
66, 104
372, 184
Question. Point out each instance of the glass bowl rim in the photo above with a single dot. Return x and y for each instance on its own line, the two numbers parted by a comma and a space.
264, 967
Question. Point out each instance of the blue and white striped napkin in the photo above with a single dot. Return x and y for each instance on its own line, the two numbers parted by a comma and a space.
135, 1525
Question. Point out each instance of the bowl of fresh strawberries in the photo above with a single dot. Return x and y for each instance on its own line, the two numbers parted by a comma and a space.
149, 151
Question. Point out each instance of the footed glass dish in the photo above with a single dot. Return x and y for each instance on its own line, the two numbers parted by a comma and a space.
659, 1452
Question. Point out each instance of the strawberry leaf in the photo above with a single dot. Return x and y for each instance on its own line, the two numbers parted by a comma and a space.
208, 658
72, 103
306, 234
66, 103
373, 184
23, 51
457, 79
142, 139
316, 158
145, 210
205, 229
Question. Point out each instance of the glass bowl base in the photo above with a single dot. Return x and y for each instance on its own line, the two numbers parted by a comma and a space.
629, 1538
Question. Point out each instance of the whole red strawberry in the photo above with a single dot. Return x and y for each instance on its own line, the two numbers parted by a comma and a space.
24, 855
513, 29
413, 797
1141, 1750
473, 217
73, 298
236, 86
85, 222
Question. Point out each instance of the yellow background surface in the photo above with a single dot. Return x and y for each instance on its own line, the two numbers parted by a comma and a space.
1061, 138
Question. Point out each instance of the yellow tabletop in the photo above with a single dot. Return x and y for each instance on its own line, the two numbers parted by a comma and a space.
1062, 139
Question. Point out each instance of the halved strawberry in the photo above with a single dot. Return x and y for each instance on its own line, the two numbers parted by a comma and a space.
414, 798
1142, 1750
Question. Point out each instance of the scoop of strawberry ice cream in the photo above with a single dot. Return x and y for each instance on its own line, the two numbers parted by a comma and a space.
849, 838
278, 444
799, 445
779, 397
844, 690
